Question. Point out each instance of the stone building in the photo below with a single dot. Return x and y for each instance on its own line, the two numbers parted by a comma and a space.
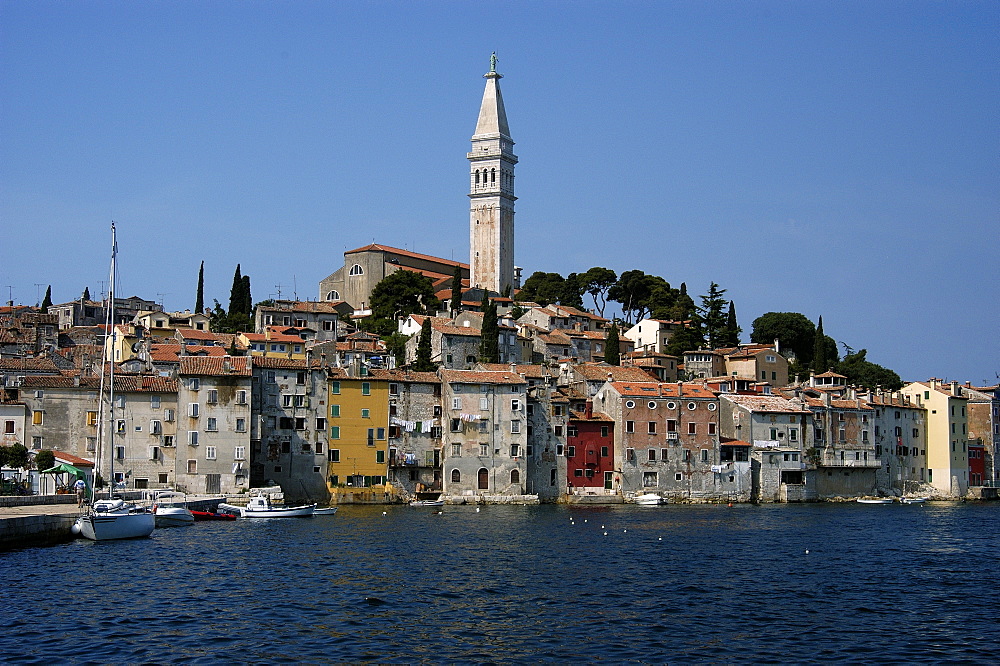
984, 426
316, 321
213, 429
415, 433
486, 437
288, 434
900, 435
947, 434
667, 439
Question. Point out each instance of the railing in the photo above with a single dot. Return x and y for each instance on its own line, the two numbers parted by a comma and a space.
834, 460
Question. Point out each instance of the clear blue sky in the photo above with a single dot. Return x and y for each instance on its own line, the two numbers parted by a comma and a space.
830, 158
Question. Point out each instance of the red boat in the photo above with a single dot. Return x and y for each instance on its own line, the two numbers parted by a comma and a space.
208, 515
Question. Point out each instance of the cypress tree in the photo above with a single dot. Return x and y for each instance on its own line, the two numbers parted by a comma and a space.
247, 300
423, 362
86, 294
489, 343
199, 301
47, 301
612, 347
456, 291
820, 362
236, 293
731, 334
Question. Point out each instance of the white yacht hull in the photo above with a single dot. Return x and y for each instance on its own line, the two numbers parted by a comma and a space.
109, 526
173, 517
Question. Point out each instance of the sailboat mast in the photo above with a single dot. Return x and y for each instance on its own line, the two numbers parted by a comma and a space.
105, 430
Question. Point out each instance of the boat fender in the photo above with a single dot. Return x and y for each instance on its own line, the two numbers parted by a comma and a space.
76, 528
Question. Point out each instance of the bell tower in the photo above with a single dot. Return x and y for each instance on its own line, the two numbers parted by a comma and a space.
491, 191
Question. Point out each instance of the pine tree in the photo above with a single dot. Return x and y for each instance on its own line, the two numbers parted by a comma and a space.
820, 363
489, 343
712, 318
456, 291
199, 301
236, 293
423, 362
47, 301
612, 347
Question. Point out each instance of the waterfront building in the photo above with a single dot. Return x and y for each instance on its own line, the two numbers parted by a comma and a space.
900, 436
358, 423
415, 432
667, 439
947, 434
213, 429
486, 437
288, 434
590, 453
984, 426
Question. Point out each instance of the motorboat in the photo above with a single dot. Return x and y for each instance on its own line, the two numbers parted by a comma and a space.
427, 502
170, 509
912, 500
325, 511
260, 506
648, 499
114, 519
209, 515
875, 500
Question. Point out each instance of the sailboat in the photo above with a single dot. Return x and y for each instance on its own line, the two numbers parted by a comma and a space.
113, 518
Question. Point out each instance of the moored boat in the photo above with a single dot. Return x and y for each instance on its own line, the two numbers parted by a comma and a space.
325, 511
874, 500
170, 509
427, 502
260, 506
209, 515
114, 519
912, 500
648, 499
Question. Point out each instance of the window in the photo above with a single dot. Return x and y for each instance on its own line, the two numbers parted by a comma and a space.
630, 404
572, 431
300, 423
515, 426
213, 396
92, 443
456, 403
192, 467
793, 434
515, 476
194, 383
630, 455
671, 425
455, 425
704, 455
154, 401
210, 453
652, 455
8, 426
241, 425
557, 431
365, 413
194, 409
380, 457
335, 432
604, 452
649, 480
456, 476
36, 417
651, 428
335, 388
515, 450
213, 425
515, 405
193, 438
371, 436
241, 397
334, 455
155, 428
91, 421
630, 426
356, 270
570, 451
36, 444
380, 433
366, 388
484, 450
692, 428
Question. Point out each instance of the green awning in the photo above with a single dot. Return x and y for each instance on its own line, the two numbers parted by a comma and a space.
65, 468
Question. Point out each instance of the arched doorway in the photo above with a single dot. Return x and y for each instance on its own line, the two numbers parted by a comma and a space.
484, 479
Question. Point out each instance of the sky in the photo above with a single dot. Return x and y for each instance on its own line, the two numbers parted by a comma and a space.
837, 159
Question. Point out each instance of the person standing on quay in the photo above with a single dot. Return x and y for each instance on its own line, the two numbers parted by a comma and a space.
81, 490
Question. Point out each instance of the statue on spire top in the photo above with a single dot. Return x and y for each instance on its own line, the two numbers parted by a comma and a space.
493, 63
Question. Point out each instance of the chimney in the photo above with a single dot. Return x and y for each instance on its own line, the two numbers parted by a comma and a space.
589, 409
777, 346
513, 367
812, 378
955, 389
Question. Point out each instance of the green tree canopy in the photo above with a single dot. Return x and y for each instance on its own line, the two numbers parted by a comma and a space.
542, 288
687, 338
862, 372
612, 347
456, 291
400, 294
395, 342
793, 331
632, 293
596, 282
47, 301
17, 457
44, 460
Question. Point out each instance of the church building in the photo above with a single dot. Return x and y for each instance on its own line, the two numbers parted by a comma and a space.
491, 253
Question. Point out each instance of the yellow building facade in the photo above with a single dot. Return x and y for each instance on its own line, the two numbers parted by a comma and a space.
947, 434
358, 422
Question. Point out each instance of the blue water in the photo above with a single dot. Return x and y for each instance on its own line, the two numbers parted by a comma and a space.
674, 584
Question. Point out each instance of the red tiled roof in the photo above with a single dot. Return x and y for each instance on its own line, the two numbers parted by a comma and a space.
597, 416
225, 366
480, 377
195, 334
163, 353
59, 381
765, 403
75, 461
599, 372
533, 371
656, 389
374, 247
24, 364
148, 383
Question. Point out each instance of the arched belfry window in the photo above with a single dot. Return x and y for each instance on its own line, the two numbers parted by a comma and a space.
477, 176
333, 295
357, 270
493, 176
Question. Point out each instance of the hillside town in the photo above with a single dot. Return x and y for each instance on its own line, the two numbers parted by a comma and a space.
567, 406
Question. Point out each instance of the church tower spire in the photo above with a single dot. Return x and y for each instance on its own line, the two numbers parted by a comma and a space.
491, 191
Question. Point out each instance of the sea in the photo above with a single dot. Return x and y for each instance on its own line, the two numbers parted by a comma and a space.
793, 583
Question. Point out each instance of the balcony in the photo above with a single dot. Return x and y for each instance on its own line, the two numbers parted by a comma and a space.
849, 459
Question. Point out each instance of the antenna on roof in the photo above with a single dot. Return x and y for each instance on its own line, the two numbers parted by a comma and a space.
278, 287
295, 289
